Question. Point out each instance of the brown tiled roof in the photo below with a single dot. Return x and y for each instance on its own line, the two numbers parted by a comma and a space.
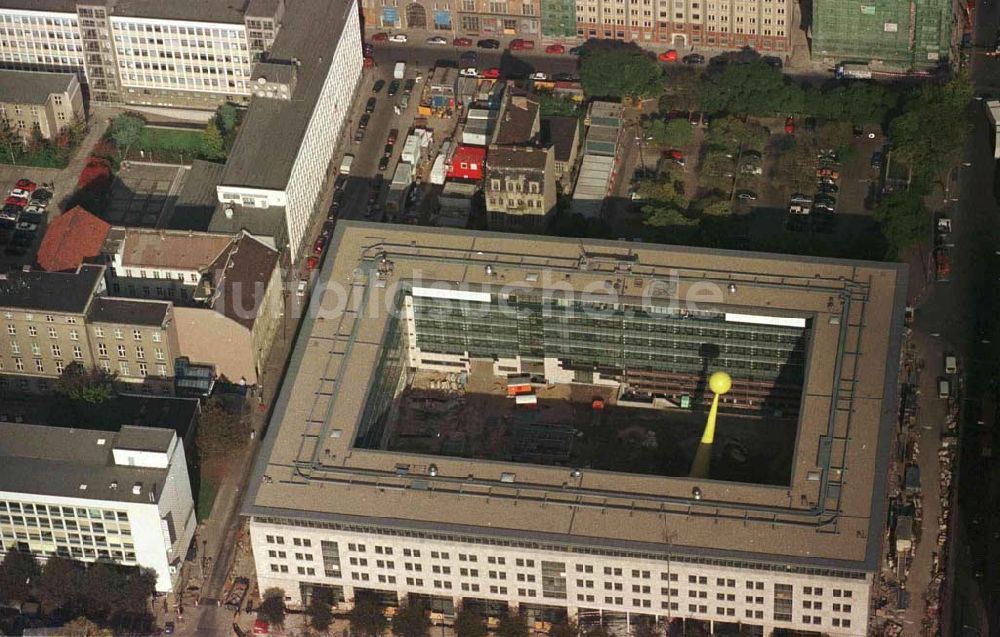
123, 311
71, 238
517, 157
517, 120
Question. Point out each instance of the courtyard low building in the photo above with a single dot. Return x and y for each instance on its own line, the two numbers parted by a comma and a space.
39, 101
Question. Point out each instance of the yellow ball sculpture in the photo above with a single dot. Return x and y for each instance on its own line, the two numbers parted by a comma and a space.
720, 383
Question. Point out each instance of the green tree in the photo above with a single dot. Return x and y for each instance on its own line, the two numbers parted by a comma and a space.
930, 134
512, 625
272, 607
646, 627
752, 88
367, 619
226, 118
598, 630
212, 147
83, 627
93, 386
716, 207
619, 72
665, 215
729, 133
676, 132
469, 623
904, 221
60, 582
411, 620
565, 628
219, 431
126, 130
320, 609
18, 574
551, 106
11, 140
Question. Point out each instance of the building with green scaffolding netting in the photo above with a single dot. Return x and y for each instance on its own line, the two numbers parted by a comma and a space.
895, 35
559, 18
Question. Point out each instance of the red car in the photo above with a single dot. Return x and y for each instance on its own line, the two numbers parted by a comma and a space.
462, 42
25, 184
668, 56
311, 263
790, 126
380, 37
491, 73
555, 49
319, 245
522, 45
15, 201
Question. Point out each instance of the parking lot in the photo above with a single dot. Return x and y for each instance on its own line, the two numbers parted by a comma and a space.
23, 219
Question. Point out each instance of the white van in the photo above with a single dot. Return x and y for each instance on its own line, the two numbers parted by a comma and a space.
950, 364
345, 164
399, 72
944, 388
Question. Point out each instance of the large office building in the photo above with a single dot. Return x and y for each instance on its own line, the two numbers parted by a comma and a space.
764, 25
500, 421
301, 101
120, 496
192, 53
898, 35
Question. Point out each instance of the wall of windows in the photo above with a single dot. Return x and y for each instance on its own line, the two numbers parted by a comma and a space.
77, 532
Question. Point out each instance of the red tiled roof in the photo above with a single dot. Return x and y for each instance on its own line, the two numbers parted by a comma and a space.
72, 237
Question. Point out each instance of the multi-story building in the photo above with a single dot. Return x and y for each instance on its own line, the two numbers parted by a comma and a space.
894, 36
134, 339
423, 480
564, 135
123, 497
191, 54
54, 319
279, 161
46, 102
520, 187
760, 24
558, 18
438, 15
499, 17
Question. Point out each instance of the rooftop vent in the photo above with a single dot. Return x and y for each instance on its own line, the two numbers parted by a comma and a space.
101, 442
83, 486
137, 488
432, 470
696, 493
114, 485
507, 477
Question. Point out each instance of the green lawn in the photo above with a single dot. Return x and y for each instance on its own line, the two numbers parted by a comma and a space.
206, 498
172, 145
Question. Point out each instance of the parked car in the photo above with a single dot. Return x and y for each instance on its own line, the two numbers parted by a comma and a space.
564, 77
26, 184
469, 72
363, 122
383, 163
300, 290
10, 213
378, 86
694, 118
380, 37
488, 43
393, 136
370, 105
462, 42
675, 156
746, 195
828, 188
877, 160
469, 58
41, 195
17, 192
538, 77
393, 88
668, 56
168, 628
404, 101
694, 58
20, 202
359, 136
576, 50
491, 73
367, 50
790, 126
437, 39
27, 226
319, 245
555, 49
339, 182
408, 86
773, 61
519, 44
34, 208
828, 172
399, 38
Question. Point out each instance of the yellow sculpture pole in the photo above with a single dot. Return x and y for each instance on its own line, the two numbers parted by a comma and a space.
719, 383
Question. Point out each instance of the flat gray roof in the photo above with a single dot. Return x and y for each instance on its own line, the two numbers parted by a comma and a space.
221, 11
831, 514
42, 291
198, 197
57, 461
58, 6
32, 87
272, 131
128, 311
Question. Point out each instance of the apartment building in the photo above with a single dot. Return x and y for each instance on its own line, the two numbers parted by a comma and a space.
54, 319
179, 54
764, 25
438, 15
120, 496
395, 504
38, 101
521, 18
282, 153
134, 339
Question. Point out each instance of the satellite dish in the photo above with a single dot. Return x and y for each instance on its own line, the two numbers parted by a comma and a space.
229, 212
262, 80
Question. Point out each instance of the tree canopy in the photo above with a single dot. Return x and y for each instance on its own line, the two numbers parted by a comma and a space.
272, 607
469, 623
367, 618
18, 573
675, 132
619, 72
751, 88
212, 146
220, 431
411, 620
512, 625
904, 221
320, 609
126, 129
93, 386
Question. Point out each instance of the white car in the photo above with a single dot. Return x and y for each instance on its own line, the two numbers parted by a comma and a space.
437, 39
17, 192
34, 207
398, 37
301, 290
540, 77
27, 226
469, 72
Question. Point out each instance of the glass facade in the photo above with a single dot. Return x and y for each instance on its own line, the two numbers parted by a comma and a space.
382, 394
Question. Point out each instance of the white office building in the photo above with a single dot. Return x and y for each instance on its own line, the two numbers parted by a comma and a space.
93, 495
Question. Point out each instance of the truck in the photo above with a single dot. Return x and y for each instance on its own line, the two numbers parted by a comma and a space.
399, 72
950, 364
853, 71
943, 243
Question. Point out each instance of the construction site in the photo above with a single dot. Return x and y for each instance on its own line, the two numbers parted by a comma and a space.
529, 420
